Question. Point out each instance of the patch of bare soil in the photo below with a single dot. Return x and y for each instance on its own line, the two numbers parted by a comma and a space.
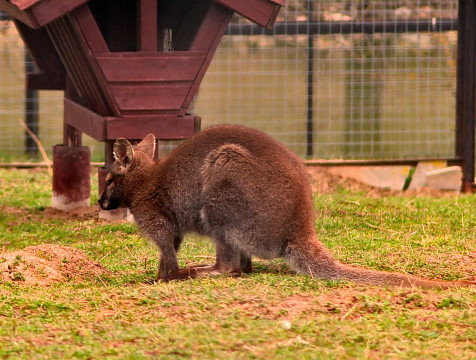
426, 191
463, 264
47, 264
85, 212
345, 303
324, 182
292, 306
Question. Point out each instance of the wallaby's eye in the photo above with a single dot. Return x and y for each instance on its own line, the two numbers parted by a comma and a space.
109, 179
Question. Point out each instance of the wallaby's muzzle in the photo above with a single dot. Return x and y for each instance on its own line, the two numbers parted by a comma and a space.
107, 204
103, 204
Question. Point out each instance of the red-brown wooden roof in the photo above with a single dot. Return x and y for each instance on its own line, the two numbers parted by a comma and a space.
262, 12
37, 13
24, 4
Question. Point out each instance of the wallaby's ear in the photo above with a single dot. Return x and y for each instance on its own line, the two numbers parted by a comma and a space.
147, 145
123, 153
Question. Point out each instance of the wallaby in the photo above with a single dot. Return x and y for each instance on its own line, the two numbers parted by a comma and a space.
242, 188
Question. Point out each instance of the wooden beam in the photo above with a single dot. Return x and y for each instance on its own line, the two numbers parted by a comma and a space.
170, 66
139, 96
90, 30
147, 25
82, 68
45, 81
133, 127
52, 73
208, 38
84, 120
212, 28
188, 23
163, 127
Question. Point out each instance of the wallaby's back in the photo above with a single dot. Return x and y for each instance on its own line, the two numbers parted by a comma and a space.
267, 179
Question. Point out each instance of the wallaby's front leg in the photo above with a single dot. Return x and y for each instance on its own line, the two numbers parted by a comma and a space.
160, 231
164, 268
168, 260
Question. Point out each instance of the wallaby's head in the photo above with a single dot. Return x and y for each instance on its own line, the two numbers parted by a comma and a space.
125, 174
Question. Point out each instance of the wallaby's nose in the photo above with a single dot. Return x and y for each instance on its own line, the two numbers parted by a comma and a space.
103, 204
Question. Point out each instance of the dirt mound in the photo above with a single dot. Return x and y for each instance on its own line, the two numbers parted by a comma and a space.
47, 264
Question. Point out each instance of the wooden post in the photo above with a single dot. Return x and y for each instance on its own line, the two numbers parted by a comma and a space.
147, 25
72, 137
71, 168
465, 90
71, 177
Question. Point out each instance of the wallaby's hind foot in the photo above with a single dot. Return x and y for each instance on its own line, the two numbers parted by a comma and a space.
199, 271
187, 273
225, 265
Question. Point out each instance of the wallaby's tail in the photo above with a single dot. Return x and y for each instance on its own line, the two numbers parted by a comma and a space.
314, 259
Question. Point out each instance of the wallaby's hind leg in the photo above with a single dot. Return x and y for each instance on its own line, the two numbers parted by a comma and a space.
228, 259
246, 265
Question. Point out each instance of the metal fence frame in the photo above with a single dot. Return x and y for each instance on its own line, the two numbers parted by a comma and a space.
465, 91
315, 28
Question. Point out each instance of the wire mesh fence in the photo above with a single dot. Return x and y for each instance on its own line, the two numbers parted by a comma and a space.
334, 79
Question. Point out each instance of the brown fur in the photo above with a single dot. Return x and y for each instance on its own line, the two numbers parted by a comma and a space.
240, 187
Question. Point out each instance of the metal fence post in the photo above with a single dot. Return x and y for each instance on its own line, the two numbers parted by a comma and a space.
465, 90
31, 110
310, 84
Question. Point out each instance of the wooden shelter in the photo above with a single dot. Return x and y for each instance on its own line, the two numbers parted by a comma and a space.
128, 67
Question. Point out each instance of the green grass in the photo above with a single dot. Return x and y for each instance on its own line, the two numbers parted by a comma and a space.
269, 314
